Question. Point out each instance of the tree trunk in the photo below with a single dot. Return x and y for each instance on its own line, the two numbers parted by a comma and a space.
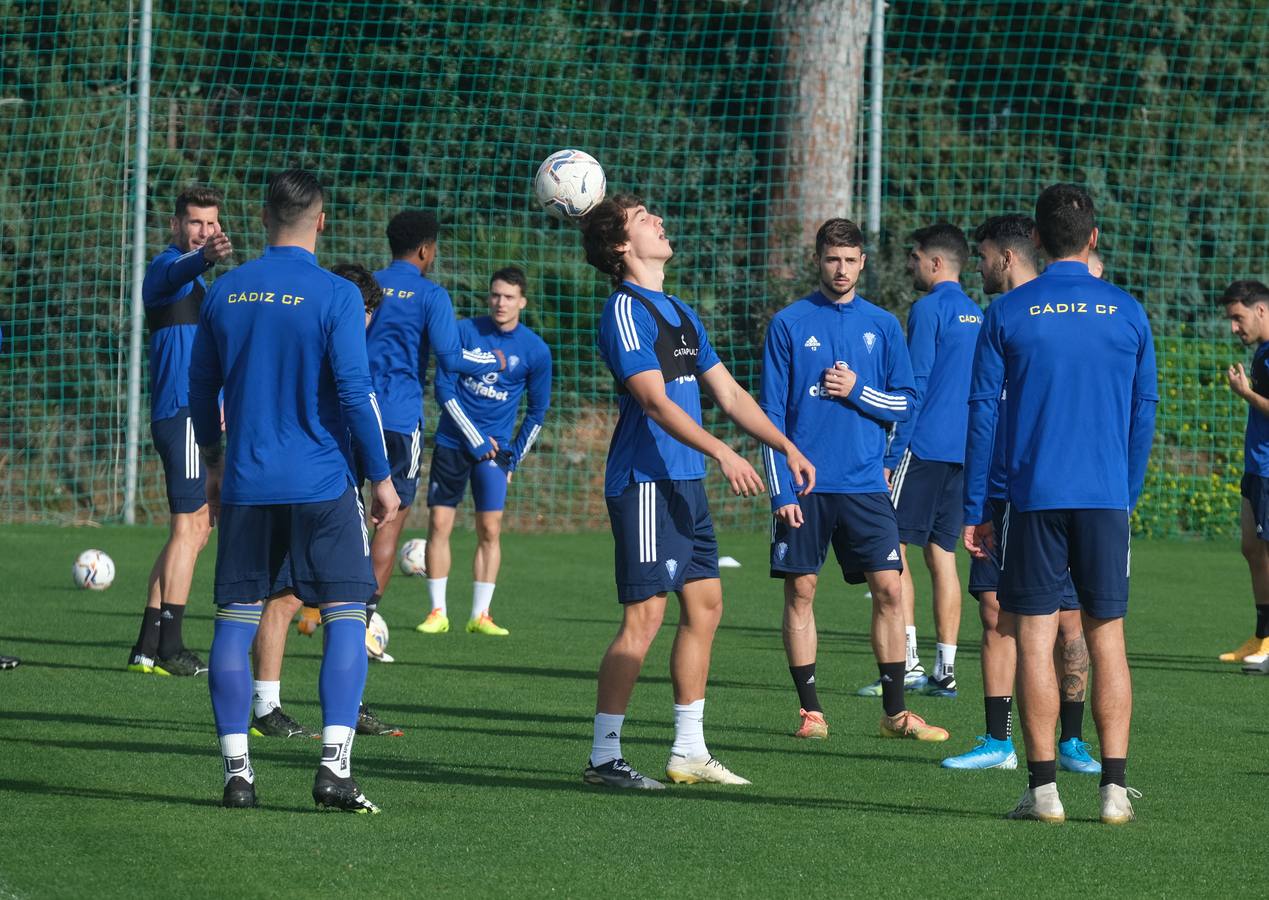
825, 52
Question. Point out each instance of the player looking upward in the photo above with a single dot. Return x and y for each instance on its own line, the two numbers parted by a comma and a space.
1247, 308
173, 291
1078, 420
926, 458
835, 376
1008, 258
658, 353
286, 339
474, 443
415, 318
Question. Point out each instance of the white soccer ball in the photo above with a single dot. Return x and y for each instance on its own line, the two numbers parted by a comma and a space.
93, 570
377, 637
569, 184
412, 559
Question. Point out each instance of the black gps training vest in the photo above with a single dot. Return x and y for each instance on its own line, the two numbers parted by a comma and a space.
677, 346
182, 312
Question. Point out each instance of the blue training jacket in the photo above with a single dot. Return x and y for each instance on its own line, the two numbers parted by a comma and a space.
416, 316
473, 409
1078, 357
844, 439
287, 339
172, 292
942, 331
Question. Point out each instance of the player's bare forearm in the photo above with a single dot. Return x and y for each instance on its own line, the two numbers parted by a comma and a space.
648, 389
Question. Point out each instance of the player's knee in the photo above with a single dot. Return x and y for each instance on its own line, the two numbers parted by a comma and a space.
989, 615
887, 595
1253, 550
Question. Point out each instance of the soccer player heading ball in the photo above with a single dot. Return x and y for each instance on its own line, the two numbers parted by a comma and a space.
658, 353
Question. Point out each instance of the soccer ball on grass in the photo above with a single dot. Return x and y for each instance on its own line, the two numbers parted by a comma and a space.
93, 570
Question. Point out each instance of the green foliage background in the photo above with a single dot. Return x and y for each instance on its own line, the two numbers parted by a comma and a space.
451, 105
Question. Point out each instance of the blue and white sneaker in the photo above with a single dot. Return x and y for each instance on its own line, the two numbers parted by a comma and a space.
989, 754
1073, 756
940, 687
913, 680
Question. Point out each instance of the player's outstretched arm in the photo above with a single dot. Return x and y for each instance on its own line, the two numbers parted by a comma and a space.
169, 271
441, 333
648, 390
742, 409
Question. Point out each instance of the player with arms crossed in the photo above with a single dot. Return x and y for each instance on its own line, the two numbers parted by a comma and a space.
1009, 258
835, 376
1247, 308
173, 292
286, 339
926, 458
473, 443
657, 351
1077, 421
416, 317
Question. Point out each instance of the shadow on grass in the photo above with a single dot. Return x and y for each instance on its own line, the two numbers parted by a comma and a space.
78, 792
572, 783
72, 718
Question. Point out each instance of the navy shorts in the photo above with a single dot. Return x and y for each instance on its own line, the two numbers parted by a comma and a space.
320, 550
664, 537
182, 467
928, 501
984, 574
405, 454
860, 527
452, 469
1256, 489
1040, 550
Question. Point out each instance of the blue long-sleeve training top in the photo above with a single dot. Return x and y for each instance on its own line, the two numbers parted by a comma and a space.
416, 316
845, 439
476, 408
172, 292
1256, 438
942, 331
632, 340
1078, 357
287, 340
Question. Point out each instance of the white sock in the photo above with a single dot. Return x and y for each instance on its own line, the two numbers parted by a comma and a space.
944, 660
481, 597
436, 590
233, 749
266, 697
606, 745
689, 729
914, 659
337, 749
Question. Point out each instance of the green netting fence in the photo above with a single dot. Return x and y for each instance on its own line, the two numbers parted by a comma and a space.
743, 123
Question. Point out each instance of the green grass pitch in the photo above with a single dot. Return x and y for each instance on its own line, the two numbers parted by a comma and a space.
110, 782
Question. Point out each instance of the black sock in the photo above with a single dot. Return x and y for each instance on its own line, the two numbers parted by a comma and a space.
804, 681
1072, 718
1262, 621
372, 607
998, 718
170, 640
892, 687
1041, 772
148, 640
1113, 770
